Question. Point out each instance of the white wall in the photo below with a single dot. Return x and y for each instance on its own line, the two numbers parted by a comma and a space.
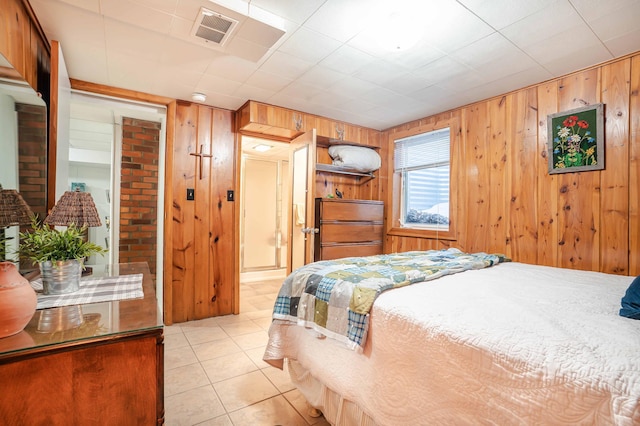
97, 180
9, 158
9, 143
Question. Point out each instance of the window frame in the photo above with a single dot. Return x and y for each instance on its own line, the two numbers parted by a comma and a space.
395, 184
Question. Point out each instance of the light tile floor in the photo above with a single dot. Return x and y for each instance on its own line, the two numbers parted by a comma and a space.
214, 373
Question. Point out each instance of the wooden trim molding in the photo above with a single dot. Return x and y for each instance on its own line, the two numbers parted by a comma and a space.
394, 182
170, 103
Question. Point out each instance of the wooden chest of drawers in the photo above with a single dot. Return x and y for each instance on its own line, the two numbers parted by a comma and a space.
348, 228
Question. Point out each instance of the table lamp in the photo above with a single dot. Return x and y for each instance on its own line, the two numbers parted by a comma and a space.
14, 211
74, 207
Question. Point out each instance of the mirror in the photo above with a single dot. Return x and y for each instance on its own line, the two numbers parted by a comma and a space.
23, 136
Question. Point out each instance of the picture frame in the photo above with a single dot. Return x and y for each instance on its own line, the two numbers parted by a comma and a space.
80, 186
576, 139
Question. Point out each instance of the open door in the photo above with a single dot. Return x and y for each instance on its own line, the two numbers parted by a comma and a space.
302, 166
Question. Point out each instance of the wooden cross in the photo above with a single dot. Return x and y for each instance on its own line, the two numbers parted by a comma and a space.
200, 155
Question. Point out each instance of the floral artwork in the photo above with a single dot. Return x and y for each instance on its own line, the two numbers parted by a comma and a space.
576, 141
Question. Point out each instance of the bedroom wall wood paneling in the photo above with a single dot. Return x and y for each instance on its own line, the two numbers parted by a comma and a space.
203, 241
509, 203
634, 168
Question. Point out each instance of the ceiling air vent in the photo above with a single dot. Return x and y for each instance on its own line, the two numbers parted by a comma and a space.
212, 28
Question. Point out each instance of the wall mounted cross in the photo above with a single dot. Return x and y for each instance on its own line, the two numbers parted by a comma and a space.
200, 155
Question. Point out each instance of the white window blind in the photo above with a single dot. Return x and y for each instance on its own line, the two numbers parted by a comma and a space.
423, 150
423, 164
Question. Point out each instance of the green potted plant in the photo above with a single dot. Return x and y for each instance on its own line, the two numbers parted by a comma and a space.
60, 255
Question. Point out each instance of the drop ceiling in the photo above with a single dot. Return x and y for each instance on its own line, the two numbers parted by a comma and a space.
323, 56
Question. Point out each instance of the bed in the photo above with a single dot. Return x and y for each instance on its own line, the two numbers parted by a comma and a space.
490, 342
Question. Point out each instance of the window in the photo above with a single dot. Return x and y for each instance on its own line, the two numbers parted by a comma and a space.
422, 163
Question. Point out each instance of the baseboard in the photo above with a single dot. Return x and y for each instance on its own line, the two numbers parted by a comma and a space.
272, 274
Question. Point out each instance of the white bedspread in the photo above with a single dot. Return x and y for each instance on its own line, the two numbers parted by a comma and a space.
514, 344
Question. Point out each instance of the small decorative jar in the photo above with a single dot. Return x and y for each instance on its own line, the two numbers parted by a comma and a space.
18, 300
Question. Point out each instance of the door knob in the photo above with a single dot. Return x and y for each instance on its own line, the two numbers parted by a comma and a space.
310, 230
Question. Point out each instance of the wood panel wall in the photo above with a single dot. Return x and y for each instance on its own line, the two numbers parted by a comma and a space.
507, 201
203, 269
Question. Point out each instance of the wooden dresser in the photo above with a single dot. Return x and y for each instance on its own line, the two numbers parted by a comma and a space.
348, 228
109, 370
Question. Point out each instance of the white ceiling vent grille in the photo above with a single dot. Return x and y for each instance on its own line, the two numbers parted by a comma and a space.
212, 28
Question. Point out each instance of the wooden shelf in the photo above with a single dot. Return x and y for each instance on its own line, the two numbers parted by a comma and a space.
327, 142
330, 168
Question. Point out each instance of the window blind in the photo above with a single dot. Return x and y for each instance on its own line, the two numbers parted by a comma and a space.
423, 150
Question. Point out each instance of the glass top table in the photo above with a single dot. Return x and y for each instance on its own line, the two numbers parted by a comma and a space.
65, 326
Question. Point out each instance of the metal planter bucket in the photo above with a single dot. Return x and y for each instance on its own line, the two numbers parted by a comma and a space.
60, 277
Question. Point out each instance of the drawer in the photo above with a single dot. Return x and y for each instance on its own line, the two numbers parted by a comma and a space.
338, 251
350, 232
352, 210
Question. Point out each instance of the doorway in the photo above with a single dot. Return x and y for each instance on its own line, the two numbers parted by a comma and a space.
265, 194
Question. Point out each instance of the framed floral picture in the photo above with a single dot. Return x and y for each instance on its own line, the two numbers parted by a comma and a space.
576, 139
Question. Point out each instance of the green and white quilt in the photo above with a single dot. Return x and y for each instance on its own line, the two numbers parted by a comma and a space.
335, 297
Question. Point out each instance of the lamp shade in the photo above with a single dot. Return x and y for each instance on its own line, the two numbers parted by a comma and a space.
13, 209
74, 207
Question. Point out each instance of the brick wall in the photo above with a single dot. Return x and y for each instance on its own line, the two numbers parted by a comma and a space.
139, 191
32, 156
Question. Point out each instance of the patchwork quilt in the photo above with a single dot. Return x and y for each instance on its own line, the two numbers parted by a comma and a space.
334, 297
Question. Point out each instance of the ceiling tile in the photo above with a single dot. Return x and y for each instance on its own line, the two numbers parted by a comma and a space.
189, 9
137, 14
552, 52
441, 69
167, 6
420, 55
452, 26
432, 95
494, 56
624, 44
297, 12
464, 81
90, 5
267, 80
615, 20
210, 84
330, 99
406, 83
558, 18
347, 60
231, 67
88, 27
259, 33
351, 86
139, 79
379, 72
226, 102
502, 13
340, 19
301, 90
135, 42
85, 62
285, 65
178, 53
247, 91
592, 10
517, 80
309, 45
321, 76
